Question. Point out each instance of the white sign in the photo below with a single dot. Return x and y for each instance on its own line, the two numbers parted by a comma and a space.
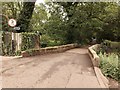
12, 22
16, 28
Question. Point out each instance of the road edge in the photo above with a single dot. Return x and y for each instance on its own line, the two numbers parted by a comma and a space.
103, 81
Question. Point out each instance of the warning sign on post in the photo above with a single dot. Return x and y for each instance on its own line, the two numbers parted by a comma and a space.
12, 22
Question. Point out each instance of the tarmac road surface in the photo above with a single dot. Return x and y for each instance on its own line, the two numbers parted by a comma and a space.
70, 69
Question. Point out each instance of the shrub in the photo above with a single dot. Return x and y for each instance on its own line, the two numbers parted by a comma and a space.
28, 40
109, 65
112, 45
18, 53
54, 43
109, 47
44, 40
43, 44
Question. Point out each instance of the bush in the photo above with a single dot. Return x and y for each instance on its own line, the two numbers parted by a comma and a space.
109, 65
28, 41
18, 53
54, 43
44, 40
47, 41
43, 44
112, 45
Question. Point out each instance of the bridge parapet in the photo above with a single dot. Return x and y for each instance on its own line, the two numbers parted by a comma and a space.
103, 81
54, 49
93, 55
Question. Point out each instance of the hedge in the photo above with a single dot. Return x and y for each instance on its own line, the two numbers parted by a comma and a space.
28, 40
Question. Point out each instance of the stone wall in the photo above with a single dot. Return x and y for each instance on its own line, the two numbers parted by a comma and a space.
103, 81
93, 55
41, 51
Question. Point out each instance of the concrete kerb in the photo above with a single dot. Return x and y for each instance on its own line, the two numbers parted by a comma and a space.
103, 81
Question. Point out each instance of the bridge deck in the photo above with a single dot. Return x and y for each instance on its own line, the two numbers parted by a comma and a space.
70, 69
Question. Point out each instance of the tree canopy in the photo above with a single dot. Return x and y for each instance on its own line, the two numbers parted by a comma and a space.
68, 22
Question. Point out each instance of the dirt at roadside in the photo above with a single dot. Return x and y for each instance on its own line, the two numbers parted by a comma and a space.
114, 84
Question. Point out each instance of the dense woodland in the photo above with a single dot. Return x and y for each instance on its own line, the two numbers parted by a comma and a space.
66, 22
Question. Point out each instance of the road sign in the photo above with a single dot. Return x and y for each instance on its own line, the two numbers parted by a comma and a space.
12, 22
16, 28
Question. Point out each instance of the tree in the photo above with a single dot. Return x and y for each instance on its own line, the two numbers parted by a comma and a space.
91, 19
39, 18
25, 16
10, 10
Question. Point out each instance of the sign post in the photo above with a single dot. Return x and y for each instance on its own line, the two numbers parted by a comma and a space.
12, 23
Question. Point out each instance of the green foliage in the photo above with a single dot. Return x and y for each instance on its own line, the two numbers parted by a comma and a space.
109, 55
18, 53
46, 41
79, 21
25, 16
109, 65
31, 52
54, 43
6, 44
110, 46
6, 49
10, 10
28, 41
66, 22
39, 18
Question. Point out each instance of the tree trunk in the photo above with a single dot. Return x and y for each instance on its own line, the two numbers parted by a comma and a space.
25, 16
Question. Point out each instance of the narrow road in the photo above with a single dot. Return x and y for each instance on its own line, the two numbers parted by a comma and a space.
70, 69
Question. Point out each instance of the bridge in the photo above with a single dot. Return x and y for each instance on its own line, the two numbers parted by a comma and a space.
70, 69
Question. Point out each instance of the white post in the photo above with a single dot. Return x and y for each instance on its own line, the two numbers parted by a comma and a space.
18, 41
12, 36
